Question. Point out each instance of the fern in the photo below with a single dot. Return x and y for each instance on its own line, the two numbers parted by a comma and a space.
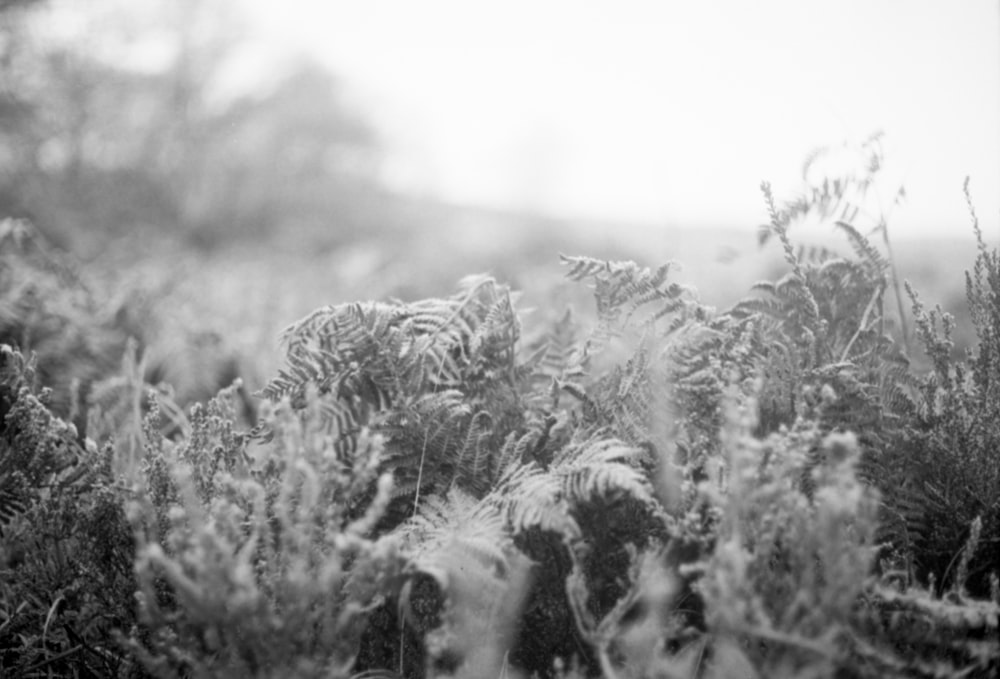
562, 356
673, 492
625, 287
433, 376
462, 584
583, 473
845, 200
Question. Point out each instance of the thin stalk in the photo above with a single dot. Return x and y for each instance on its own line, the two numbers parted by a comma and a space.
896, 287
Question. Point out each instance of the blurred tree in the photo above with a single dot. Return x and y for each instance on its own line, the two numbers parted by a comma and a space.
7, 5
296, 155
15, 110
120, 115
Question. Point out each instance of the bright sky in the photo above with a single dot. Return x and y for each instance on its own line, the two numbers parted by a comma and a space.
666, 111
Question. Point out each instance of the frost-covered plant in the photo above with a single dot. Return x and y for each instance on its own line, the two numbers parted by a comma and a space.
787, 569
265, 566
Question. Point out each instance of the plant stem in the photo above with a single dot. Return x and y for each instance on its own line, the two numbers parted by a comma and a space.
904, 326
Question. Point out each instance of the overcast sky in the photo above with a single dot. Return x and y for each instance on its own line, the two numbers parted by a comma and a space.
666, 112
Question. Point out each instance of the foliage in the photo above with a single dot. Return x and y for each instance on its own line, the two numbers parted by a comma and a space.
846, 191
66, 551
945, 472
796, 560
47, 308
436, 377
656, 489
251, 565
463, 418
78, 327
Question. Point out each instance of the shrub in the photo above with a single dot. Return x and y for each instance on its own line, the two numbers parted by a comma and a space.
252, 565
943, 470
669, 490
66, 551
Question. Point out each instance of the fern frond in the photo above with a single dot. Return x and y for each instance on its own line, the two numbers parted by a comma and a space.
532, 498
866, 252
431, 344
344, 421
815, 254
564, 354
772, 307
417, 373
582, 268
473, 463
513, 452
779, 226
625, 287
603, 469
456, 516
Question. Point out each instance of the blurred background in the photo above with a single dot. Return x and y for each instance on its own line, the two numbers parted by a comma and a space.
249, 160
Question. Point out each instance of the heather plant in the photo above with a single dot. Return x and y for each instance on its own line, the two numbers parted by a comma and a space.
66, 551
945, 464
256, 564
665, 490
774, 594
787, 569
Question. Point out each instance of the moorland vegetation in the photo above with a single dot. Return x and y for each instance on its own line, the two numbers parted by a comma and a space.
803, 484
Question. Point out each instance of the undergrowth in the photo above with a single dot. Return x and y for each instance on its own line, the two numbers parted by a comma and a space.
655, 489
